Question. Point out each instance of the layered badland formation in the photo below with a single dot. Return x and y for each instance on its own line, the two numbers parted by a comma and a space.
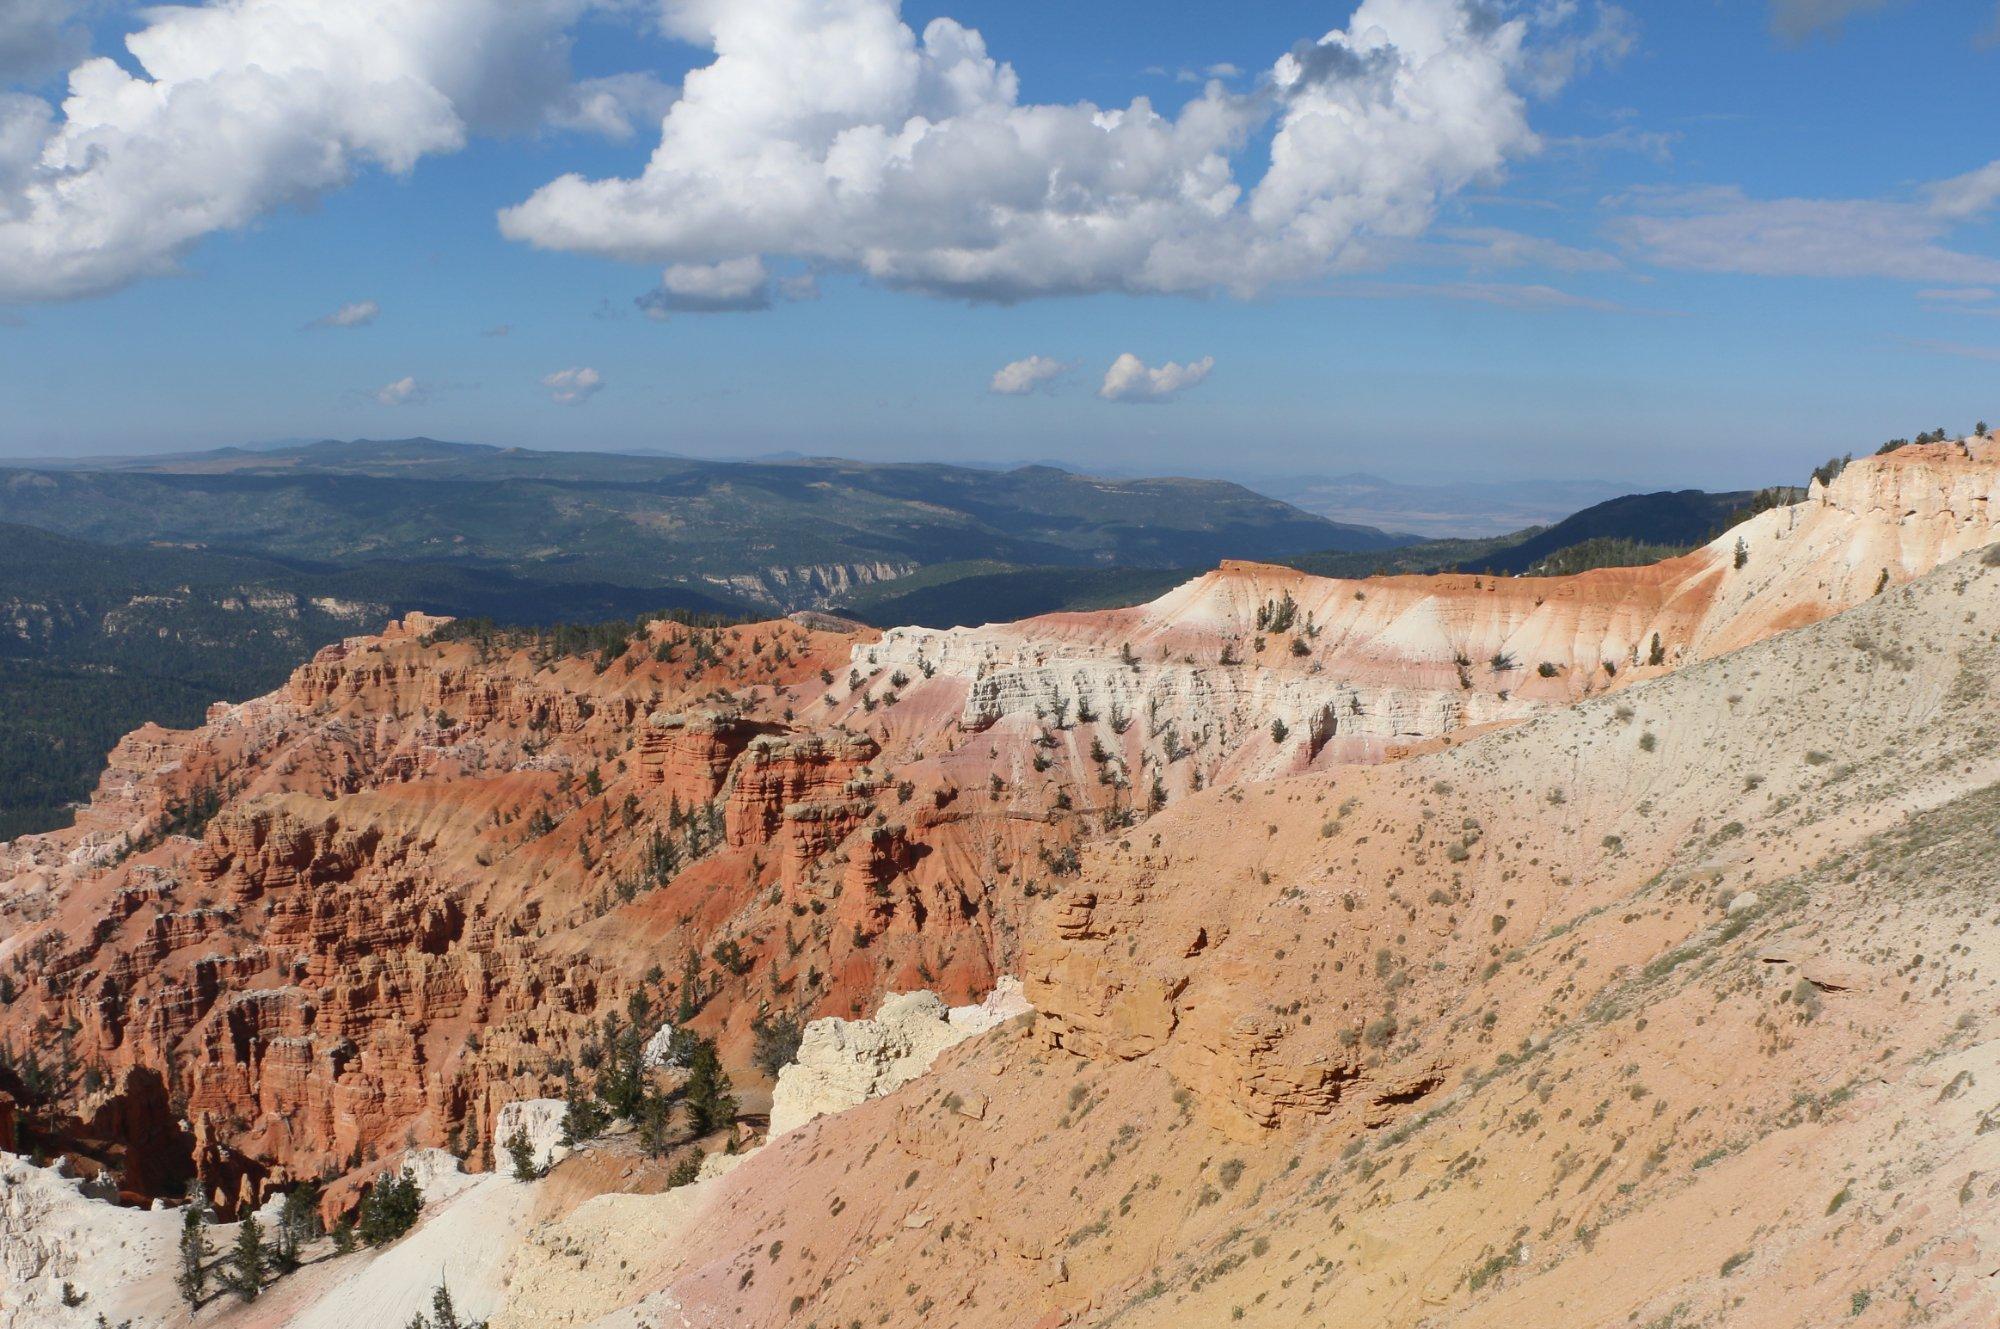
1410, 950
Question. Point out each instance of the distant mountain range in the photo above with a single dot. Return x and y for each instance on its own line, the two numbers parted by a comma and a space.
1449, 508
145, 588
1454, 509
783, 535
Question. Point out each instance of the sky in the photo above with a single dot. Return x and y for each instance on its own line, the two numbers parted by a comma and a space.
1688, 242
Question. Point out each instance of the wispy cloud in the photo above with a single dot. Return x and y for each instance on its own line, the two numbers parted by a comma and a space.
1653, 144
1495, 246
357, 315
1797, 19
1722, 229
1959, 350
1222, 70
1505, 295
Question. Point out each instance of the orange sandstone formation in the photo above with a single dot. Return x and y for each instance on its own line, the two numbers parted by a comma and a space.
371, 909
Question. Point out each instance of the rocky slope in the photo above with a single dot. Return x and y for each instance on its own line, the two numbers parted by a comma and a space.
1671, 1008
373, 909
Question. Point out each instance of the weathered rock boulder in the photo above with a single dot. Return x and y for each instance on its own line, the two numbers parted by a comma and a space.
843, 1063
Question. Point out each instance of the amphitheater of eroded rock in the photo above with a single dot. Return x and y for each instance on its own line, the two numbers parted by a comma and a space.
1564, 950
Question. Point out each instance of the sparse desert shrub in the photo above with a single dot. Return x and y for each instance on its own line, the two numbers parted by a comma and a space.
1486, 1272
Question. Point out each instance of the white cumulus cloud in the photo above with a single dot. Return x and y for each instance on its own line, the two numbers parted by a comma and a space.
235, 107
1025, 376
356, 315
616, 106
38, 37
822, 135
829, 131
573, 387
734, 284
403, 392
1129, 379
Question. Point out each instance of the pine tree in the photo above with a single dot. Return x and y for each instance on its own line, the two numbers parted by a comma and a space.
390, 1209
711, 1104
192, 1280
584, 1117
656, 1119
298, 1223
249, 1268
622, 1084
443, 1314
521, 1151
690, 994
686, 1169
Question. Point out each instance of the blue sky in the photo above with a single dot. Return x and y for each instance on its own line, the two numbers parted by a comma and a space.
1602, 288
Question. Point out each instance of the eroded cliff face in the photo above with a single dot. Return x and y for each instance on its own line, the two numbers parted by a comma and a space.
370, 910
1668, 1007
811, 585
1356, 670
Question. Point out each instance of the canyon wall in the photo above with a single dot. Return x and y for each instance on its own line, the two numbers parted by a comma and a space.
369, 910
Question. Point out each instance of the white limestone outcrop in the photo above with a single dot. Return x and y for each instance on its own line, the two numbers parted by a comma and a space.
54, 1236
843, 1063
541, 1120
